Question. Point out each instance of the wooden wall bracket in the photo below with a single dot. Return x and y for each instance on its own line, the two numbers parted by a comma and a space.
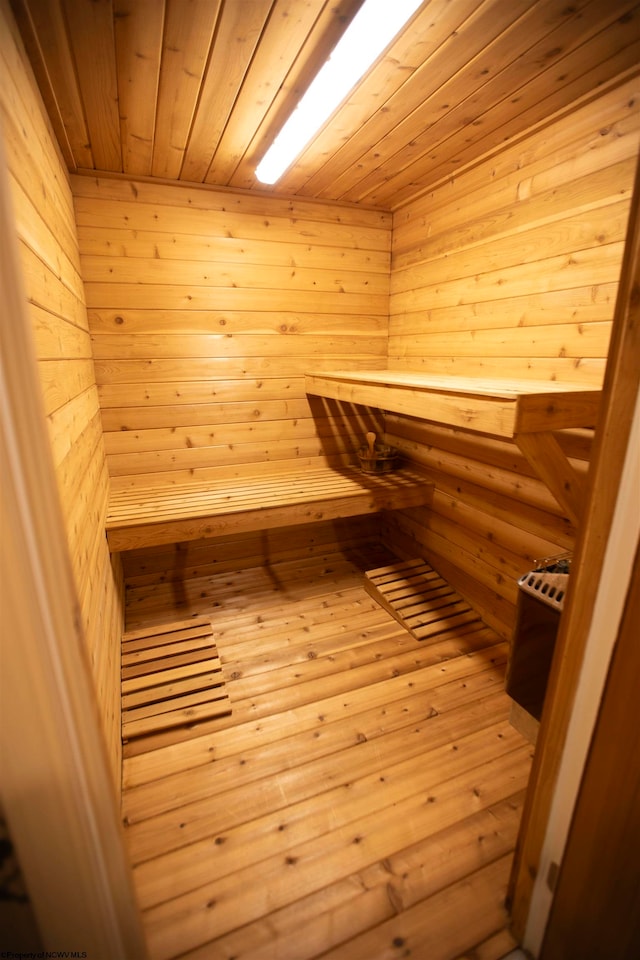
552, 466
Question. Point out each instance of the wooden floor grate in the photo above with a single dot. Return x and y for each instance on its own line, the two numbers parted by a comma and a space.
171, 676
419, 599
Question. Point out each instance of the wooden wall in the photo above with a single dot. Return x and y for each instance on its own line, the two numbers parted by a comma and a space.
509, 269
205, 310
48, 250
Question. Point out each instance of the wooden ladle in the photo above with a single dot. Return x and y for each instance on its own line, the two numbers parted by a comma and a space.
371, 442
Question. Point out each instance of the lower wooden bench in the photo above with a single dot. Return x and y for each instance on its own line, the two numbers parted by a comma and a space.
149, 516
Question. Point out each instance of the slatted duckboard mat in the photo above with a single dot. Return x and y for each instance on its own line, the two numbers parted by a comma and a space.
171, 676
419, 598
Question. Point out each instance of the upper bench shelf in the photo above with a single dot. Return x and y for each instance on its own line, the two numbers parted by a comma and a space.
527, 411
502, 408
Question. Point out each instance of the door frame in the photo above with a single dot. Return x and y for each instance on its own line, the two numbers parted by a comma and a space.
58, 796
601, 573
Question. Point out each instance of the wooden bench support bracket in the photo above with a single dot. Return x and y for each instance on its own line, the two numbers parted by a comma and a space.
545, 455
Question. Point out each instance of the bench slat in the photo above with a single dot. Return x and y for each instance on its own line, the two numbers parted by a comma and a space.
239, 496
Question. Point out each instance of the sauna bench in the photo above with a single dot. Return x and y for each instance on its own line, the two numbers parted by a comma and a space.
527, 411
149, 516
502, 408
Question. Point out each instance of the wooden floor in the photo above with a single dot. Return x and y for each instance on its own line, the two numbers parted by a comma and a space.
361, 801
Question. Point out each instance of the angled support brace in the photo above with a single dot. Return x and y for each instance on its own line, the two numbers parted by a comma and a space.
547, 458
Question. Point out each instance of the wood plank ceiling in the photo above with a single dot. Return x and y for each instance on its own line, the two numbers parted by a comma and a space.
195, 90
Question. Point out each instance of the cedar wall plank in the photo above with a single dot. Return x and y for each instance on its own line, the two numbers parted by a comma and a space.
44, 214
205, 311
511, 268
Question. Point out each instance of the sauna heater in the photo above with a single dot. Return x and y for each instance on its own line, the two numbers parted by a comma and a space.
541, 598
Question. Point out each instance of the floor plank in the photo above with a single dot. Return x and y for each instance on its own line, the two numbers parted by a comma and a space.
361, 800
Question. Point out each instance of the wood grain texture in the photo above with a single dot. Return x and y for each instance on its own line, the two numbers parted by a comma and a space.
614, 444
236, 552
424, 603
498, 406
203, 87
138, 29
365, 791
585, 890
55, 300
142, 517
516, 279
200, 296
58, 801
171, 677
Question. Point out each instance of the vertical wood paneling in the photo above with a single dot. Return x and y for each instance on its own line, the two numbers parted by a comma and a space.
48, 250
204, 86
96, 69
511, 269
138, 38
43, 27
189, 28
590, 45
238, 34
206, 309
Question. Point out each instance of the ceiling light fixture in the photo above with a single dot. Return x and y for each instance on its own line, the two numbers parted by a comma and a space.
372, 29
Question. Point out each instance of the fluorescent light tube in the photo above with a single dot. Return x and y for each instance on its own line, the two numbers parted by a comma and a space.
369, 33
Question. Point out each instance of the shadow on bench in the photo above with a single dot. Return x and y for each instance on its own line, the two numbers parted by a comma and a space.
152, 515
